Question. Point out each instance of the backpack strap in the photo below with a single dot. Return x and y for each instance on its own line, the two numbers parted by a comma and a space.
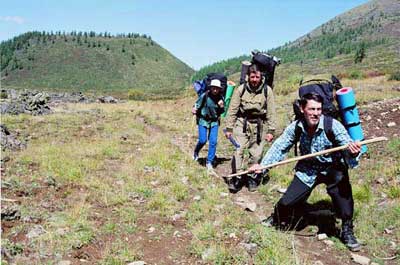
297, 134
328, 121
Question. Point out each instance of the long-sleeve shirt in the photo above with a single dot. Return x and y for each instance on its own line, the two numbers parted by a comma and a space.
209, 110
308, 169
251, 102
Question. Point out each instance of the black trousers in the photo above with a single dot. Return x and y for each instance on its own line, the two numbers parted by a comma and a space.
292, 205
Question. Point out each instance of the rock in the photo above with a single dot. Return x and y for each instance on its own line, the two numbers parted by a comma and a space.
107, 99
391, 124
197, 198
177, 234
207, 254
151, 229
251, 206
360, 259
62, 231
9, 140
380, 180
251, 248
64, 262
9, 213
176, 217
36, 231
393, 245
368, 118
322, 236
137, 263
388, 231
328, 242
318, 262
224, 194
282, 190
232, 235
185, 180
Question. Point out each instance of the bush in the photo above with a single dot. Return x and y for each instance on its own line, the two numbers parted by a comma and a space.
136, 95
356, 74
394, 76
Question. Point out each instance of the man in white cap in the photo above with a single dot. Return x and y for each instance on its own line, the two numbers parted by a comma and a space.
208, 108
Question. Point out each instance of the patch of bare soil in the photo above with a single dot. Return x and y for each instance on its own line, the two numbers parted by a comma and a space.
381, 118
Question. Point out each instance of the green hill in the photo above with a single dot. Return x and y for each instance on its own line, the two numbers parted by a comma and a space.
363, 41
91, 62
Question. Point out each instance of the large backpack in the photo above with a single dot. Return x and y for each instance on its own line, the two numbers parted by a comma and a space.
266, 63
325, 89
202, 86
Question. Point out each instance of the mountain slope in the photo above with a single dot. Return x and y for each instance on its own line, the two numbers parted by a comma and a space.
363, 41
90, 61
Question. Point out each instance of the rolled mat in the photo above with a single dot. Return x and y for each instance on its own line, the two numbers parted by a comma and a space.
349, 113
228, 96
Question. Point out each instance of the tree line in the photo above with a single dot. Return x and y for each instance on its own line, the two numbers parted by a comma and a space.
23, 42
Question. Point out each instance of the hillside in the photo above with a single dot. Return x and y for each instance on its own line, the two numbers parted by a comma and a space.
361, 42
90, 62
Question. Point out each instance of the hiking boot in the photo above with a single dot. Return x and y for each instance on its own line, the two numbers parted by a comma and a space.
195, 157
269, 222
235, 185
253, 182
210, 169
348, 238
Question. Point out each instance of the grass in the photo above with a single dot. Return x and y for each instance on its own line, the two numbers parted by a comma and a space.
110, 190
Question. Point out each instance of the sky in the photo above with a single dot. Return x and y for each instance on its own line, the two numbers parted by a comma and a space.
197, 32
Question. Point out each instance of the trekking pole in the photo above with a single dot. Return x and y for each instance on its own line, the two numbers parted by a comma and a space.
327, 151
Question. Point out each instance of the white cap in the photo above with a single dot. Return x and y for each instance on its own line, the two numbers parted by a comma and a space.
216, 83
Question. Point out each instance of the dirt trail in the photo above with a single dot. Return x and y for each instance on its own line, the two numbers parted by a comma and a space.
377, 120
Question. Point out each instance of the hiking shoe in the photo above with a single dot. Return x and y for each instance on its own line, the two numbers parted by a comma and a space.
195, 157
348, 238
235, 185
210, 170
253, 182
269, 222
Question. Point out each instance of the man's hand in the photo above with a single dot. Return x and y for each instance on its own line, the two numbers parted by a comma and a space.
354, 148
221, 103
228, 135
256, 168
269, 137
194, 111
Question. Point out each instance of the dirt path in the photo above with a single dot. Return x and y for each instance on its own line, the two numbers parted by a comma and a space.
377, 118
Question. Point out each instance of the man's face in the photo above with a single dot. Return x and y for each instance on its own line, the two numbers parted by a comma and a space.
312, 112
215, 90
255, 79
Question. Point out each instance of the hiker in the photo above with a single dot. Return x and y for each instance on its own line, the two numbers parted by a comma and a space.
251, 120
209, 107
331, 169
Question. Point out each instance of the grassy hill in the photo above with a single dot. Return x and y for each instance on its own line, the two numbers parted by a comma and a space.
361, 42
91, 62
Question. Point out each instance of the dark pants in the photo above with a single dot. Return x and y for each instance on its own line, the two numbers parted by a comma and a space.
292, 206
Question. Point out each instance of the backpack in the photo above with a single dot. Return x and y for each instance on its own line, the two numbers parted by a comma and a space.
325, 89
267, 64
202, 86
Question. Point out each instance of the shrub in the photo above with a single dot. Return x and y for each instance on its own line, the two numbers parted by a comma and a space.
356, 74
136, 95
394, 76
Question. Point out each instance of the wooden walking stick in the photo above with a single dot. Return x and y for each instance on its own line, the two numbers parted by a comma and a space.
327, 151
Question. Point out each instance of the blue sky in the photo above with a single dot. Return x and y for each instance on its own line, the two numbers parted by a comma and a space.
197, 32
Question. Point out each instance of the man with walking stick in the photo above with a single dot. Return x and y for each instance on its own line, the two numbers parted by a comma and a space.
315, 132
